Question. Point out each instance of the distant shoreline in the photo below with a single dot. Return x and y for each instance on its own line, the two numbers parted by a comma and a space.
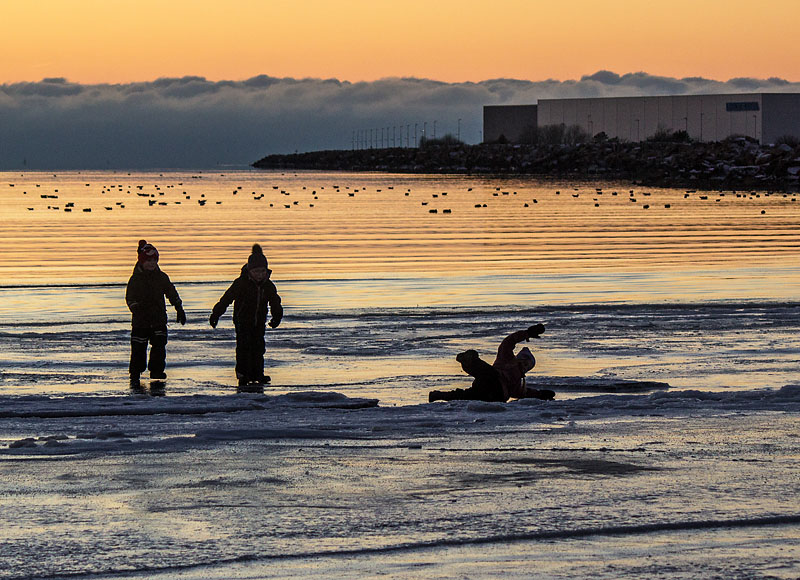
736, 163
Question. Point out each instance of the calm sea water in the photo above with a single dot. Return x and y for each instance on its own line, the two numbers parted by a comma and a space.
400, 266
579, 240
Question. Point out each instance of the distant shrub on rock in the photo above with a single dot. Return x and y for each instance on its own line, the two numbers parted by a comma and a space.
789, 140
664, 135
561, 135
446, 141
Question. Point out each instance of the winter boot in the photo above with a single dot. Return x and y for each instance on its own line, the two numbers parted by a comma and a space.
542, 394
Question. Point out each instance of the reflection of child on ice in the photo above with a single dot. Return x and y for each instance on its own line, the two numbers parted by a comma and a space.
254, 296
502, 380
145, 297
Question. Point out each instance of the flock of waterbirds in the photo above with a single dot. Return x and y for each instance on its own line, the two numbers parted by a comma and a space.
156, 195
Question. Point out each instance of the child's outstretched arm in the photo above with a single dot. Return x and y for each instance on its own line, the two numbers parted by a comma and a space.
221, 306
506, 348
172, 295
275, 308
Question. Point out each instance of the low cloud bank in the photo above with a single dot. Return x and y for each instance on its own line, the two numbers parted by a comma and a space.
191, 122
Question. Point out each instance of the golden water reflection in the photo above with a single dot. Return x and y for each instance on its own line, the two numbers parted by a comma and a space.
317, 226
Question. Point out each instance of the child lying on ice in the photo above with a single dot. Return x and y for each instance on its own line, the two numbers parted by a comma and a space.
502, 380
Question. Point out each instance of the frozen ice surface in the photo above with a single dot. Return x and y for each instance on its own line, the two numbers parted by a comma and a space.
671, 484
672, 343
670, 451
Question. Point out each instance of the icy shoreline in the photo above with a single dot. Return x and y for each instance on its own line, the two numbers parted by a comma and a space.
308, 484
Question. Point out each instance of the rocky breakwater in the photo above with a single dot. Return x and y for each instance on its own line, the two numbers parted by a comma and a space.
735, 163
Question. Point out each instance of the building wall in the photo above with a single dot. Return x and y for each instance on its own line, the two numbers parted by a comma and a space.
763, 116
510, 121
781, 116
704, 117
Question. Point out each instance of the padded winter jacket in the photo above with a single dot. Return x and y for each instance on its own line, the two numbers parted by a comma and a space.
507, 366
145, 297
252, 301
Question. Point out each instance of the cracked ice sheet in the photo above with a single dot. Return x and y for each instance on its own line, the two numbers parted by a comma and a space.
671, 484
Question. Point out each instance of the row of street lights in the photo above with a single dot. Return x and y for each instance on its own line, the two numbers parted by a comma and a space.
385, 137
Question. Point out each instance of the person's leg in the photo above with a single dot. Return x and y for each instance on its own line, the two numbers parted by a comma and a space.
486, 388
158, 353
257, 355
543, 394
242, 348
138, 363
474, 366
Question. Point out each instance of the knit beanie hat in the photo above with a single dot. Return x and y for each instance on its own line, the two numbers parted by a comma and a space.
525, 356
147, 251
257, 258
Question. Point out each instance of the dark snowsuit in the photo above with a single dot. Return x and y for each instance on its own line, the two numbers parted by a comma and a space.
496, 382
145, 297
252, 302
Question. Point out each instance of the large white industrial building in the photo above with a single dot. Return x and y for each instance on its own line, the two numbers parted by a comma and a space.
762, 116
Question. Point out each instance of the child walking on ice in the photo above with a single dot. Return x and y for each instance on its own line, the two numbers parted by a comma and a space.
254, 296
145, 297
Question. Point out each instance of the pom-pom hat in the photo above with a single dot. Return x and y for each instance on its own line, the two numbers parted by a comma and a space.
257, 258
147, 251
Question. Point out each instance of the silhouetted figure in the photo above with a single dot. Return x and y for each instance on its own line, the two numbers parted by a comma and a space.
145, 294
254, 296
502, 380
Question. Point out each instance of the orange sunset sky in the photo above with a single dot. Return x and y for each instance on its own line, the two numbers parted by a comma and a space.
118, 41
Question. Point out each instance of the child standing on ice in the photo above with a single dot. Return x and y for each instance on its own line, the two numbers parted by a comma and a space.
145, 297
502, 380
254, 296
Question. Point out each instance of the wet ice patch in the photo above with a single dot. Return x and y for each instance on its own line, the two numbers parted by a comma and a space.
326, 399
212, 435
595, 385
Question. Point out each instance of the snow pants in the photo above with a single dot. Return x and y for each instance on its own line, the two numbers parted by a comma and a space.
486, 386
250, 349
140, 337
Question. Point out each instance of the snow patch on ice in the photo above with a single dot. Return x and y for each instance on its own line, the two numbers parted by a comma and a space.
480, 407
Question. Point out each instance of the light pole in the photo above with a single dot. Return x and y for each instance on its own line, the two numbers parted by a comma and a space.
434, 130
416, 143
458, 134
